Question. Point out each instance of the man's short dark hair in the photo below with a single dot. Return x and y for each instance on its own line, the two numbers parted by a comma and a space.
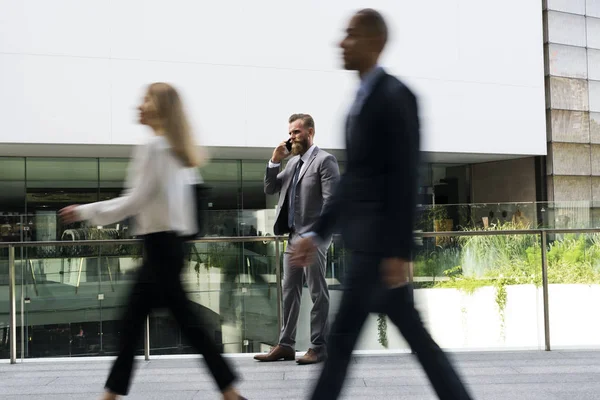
307, 120
374, 22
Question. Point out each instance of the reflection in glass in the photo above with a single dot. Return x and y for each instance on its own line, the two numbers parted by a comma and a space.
233, 286
54, 183
4, 306
13, 227
523, 215
111, 177
224, 178
75, 299
12, 186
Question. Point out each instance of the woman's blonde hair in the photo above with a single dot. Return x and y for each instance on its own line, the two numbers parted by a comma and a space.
176, 127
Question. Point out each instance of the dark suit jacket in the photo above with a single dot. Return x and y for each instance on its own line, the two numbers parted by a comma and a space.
314, 189
374, 204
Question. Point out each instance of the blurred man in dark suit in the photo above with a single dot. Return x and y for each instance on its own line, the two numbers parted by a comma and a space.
374, 208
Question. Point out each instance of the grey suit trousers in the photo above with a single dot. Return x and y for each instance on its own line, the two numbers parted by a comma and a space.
293, 280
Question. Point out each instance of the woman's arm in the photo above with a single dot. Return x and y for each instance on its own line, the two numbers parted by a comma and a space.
142, 183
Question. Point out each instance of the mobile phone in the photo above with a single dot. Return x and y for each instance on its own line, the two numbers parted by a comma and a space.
288, 145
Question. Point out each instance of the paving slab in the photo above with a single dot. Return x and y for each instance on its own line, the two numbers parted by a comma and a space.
526, 375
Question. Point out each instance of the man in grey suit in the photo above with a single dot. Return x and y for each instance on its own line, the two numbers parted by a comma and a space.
305, 187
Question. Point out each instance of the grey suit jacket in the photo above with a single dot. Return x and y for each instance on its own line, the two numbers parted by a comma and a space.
314, 189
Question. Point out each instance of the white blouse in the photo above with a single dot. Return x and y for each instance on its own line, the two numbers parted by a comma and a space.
158, 193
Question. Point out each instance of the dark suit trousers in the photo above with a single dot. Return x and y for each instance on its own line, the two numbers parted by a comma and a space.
364, 294
159, 285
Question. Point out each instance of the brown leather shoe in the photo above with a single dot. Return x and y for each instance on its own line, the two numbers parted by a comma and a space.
277, 353
311, 357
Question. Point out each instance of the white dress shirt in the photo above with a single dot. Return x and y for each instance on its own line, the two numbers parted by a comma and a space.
305, 157
158, 193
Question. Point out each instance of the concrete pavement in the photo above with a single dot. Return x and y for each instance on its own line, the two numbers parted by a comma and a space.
527, 375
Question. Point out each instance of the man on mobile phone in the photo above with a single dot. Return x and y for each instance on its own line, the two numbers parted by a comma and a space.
304, 186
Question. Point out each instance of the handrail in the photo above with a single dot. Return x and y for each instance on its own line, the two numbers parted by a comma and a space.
215, 239
499, 232
490, 232
249, 239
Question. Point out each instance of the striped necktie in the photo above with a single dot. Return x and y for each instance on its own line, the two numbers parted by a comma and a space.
292, 195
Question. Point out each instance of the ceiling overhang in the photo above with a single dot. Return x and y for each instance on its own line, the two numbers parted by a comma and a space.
246, 153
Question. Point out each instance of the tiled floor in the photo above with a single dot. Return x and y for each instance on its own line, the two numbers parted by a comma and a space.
568, 375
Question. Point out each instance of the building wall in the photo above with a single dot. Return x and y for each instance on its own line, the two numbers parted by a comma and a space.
73, 71
572, 52
511, 181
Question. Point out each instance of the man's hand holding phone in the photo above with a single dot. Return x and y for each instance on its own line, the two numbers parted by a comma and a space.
282, 151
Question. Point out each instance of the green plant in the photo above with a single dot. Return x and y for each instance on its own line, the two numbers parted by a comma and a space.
500, 285
464, 284
435, 263
504, 260
382, 330
431, 213
217, 255
484, 255
438, 212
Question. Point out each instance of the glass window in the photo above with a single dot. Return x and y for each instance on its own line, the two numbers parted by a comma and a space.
224, 179
253, 193
111, 180
54, 183
258, 213
112, 175
63, 173
12, 199
113, 172
225, 201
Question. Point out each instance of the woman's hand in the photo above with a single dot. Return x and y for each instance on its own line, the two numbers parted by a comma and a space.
69, 214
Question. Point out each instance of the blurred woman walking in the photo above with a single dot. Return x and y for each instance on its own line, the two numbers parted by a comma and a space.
160, 196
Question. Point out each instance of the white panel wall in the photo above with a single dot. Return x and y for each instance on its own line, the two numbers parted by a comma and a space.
72, 71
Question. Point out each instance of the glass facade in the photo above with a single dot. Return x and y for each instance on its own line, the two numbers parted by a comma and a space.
33, 189
70, 298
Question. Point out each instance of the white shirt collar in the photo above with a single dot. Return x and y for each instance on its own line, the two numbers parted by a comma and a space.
161, 141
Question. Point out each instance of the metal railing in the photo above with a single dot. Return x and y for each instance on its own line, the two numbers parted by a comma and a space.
542, 233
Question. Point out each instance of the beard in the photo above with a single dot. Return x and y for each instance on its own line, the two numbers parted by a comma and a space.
299, 148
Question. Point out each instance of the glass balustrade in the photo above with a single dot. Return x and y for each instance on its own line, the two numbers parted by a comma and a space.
475, 290
73, 297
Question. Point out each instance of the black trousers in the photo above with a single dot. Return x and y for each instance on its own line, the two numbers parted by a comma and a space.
159, 285
364, 294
